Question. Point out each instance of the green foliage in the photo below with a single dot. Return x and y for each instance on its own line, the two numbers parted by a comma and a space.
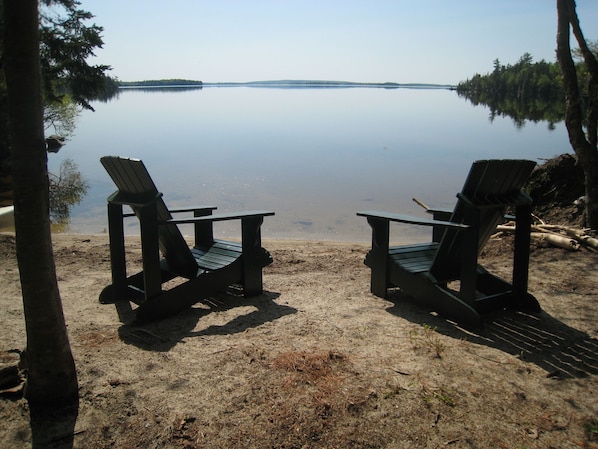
523, 79
583, 75
69, 81
61, 115
428, 338
441, 395
66, 43
591, 429
524, 91
66, 189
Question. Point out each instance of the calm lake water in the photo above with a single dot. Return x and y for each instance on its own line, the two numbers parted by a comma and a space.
314, 156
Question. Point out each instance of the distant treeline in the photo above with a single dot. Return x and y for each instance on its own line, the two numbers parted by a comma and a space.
316, 84
160, 83
523, 79
523, 91
278, 84
526, 90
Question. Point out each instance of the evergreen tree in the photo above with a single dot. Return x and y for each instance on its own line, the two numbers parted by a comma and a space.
67, 77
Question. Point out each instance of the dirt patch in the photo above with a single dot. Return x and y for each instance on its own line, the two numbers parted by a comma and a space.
319, 362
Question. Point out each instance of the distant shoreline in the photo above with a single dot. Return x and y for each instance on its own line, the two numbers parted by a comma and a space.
281, 84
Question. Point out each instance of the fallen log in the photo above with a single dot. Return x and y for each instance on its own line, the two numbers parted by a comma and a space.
571, 242
557, 240
589, 241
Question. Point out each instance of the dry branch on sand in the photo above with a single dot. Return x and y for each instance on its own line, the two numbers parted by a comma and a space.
566, 237
557, 235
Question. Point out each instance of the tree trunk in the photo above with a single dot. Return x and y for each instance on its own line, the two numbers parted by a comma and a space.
52, 377
584, 144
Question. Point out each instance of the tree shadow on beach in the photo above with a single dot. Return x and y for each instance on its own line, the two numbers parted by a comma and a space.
165, 334
560, 350
53, 427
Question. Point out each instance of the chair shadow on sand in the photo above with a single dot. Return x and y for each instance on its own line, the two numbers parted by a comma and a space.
560, 350
163, 335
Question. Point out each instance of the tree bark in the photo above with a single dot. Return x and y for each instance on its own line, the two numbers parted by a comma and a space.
584, 143
51, 377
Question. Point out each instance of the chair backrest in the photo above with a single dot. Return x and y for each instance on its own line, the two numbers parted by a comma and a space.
490, 188
136, 187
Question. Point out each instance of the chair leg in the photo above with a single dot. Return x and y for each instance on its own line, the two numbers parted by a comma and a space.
522, 243
116, 237
204, 232
150, 249
469, 257
378, 256
252, 252
522, 299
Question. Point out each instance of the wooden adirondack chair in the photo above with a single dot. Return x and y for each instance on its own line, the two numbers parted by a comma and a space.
207, 268
424, 271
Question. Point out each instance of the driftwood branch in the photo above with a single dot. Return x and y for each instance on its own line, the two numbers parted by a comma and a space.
557, 240
418, 202
561, 236
557, 235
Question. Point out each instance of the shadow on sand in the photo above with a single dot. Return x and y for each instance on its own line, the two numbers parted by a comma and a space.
53, 427
560, 350
165, 334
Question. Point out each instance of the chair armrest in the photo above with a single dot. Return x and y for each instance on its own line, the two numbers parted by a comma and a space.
133, 200
439, 211
193, 209
400, 218
220, 217
202, 209
440, 214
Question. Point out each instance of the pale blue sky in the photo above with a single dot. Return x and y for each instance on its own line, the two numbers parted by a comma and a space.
424, 41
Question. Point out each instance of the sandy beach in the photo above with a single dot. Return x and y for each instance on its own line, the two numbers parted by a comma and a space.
317, 361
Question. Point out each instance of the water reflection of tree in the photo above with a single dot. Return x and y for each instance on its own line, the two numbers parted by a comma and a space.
66, 190
520, 110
